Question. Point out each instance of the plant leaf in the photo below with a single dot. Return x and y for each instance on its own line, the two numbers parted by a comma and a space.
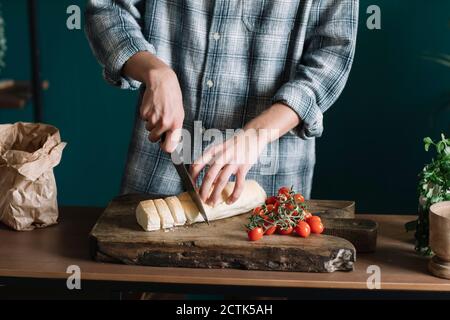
428, 140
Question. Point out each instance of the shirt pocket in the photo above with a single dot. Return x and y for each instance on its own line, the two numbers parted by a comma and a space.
271, 17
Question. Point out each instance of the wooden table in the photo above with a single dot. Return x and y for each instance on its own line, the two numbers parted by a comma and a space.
41, 257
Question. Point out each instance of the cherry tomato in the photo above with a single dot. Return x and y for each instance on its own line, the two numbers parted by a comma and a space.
271, 200
299, 198
316, 226
285, 231
307, 215
289, 206
275, 206
312, 218
270, 230
303, 229
270, 208
257, 211
284, 190
255, 234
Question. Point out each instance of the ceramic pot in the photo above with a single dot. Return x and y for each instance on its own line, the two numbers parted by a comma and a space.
440, 239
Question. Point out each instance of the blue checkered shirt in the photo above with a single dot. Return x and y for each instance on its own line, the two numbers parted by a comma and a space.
233, 59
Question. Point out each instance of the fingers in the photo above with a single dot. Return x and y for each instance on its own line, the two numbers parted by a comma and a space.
238, 186
144, 111
160, 126
171, 140
149, 126
220, 183
157, 132
208, 181
202, 162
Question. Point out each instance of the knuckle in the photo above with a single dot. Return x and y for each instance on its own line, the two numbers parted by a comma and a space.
178, 123
153, 120
241, 172
209, 177
221, 180
166, 122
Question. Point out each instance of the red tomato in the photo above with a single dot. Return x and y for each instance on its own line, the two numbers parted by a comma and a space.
285, 231
312, 219
275, 206
284, 190
257, 211
307, 215
271, 200
299, 198
270, 208
270, 230
255, 234
289, 206
303, 229
316, 226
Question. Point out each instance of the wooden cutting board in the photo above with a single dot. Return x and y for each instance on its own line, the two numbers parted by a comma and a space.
223, 244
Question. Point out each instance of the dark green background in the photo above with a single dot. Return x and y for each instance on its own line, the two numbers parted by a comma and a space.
371, 150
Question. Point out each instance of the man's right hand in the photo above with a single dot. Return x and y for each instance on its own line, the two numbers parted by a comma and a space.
162, 103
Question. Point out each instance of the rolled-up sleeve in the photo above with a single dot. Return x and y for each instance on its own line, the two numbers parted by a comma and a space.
114, 30
323, 71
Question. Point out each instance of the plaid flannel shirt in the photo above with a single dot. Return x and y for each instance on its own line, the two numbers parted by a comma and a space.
233, 59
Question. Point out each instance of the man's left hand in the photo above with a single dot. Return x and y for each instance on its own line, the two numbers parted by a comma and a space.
233, 157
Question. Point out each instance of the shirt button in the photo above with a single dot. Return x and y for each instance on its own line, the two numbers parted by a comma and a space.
210, 83
216, 36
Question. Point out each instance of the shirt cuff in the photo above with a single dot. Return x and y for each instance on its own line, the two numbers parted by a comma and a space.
305, 107
113, 72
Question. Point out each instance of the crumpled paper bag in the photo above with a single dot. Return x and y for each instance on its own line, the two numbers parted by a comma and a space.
28, 154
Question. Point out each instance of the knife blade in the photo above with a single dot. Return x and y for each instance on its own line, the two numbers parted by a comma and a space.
188, 183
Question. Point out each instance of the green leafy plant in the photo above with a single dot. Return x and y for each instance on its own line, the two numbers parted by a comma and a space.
434, 187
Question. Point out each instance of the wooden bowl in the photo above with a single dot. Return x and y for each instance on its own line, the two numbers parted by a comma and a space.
440, 239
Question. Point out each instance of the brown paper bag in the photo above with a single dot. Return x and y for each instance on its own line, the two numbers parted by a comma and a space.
28, 154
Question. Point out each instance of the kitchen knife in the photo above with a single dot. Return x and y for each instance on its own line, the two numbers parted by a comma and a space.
188, 183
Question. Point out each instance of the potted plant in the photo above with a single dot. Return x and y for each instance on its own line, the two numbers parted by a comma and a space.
434, 187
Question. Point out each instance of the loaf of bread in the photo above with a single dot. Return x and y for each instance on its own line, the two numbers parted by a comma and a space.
180, 210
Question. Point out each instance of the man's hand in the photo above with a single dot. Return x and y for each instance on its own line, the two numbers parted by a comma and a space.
233, 157
162, 103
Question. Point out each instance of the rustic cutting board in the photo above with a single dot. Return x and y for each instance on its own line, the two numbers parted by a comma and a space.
223, 244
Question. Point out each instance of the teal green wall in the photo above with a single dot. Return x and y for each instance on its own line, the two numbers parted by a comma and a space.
371, 150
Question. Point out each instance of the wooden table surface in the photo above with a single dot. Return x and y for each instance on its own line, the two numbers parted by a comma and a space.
46, 254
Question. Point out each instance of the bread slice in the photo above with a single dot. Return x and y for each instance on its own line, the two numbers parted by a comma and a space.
177, 210
190, 209
164, 214
147, 216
